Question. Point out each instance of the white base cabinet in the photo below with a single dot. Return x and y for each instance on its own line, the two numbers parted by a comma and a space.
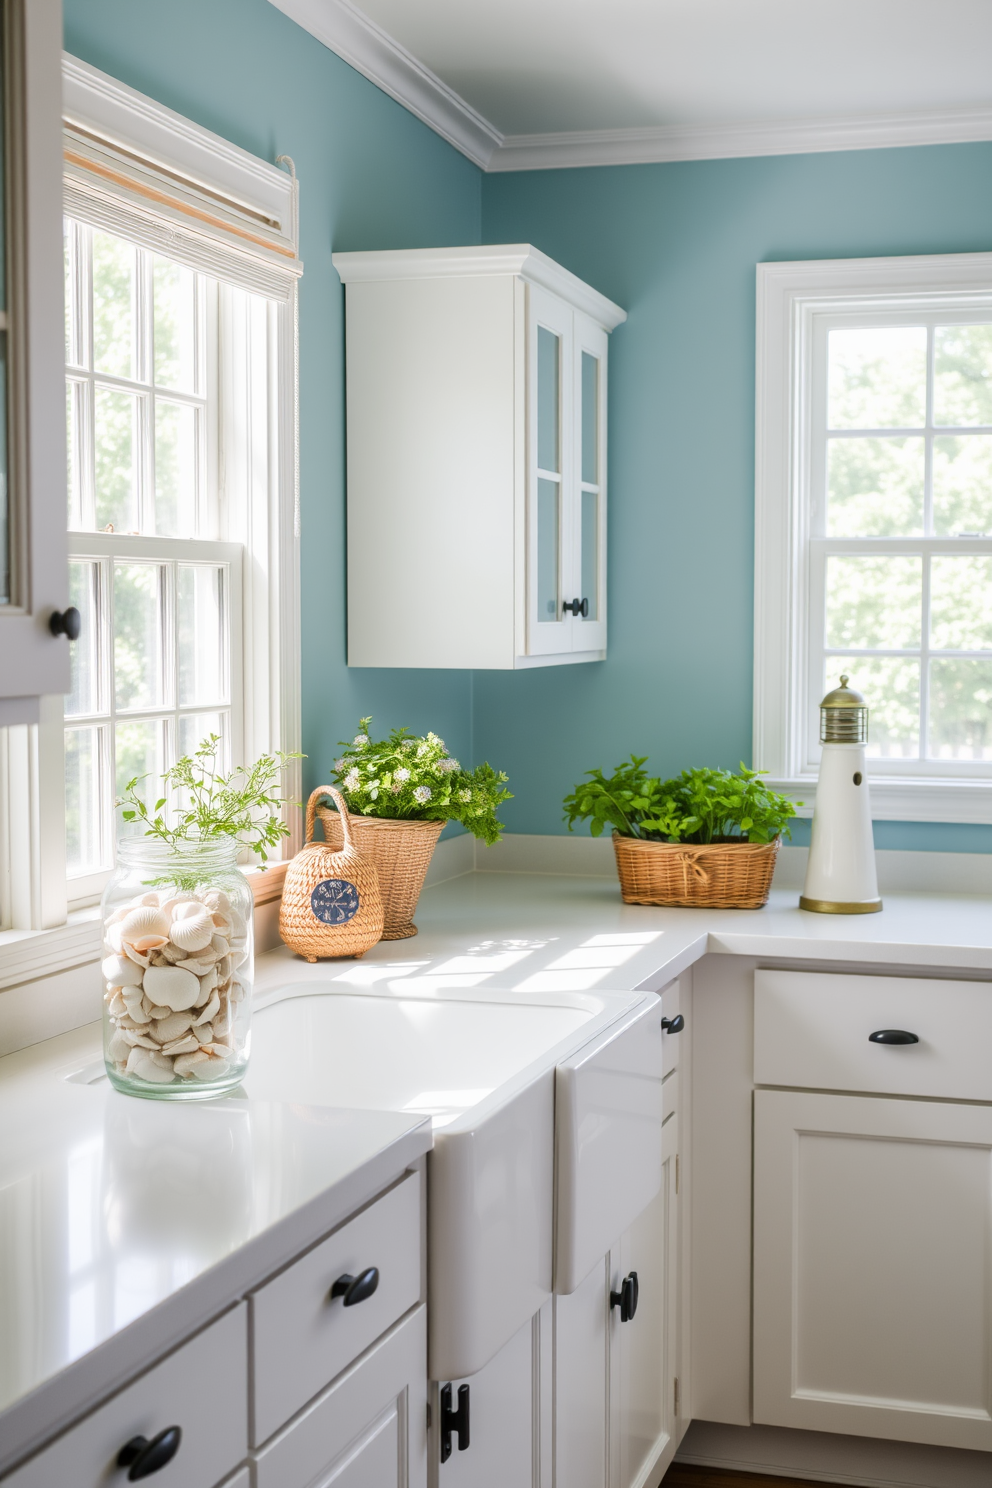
873, 1267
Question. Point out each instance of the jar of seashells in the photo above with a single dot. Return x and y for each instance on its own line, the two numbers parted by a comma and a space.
177, 968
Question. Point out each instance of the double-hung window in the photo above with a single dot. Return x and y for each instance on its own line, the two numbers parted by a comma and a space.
874, 523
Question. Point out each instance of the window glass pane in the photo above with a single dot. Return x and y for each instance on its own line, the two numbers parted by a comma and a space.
175, 325
84, 813
4, 509
875, 487
113, 305
84, 654
200, 616
590, 551
548, 358
874, 602
194, 728
962, 483
547, 550
67, 268
138, 631
115, 438
139, 750
590, 419
960, 709
175, 469
877, 378
962, 374
891, 688
961, 603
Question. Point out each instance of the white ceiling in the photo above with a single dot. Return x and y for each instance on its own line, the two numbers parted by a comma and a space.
540, 66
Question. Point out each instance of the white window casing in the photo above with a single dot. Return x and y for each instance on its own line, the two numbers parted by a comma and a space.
796, 304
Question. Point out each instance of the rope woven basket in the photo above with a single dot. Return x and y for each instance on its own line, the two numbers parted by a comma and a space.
401, 852
713, 875
331, 905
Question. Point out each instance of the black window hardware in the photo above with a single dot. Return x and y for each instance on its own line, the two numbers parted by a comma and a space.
454, 1421
355, 1289
145, 1457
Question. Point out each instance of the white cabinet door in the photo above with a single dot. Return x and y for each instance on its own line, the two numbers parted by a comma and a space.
589, 345
872, 1271
504, 1415
582, 1381
551, 515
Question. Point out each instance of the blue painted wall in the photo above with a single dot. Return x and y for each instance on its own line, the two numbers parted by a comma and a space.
372, 176
677, 246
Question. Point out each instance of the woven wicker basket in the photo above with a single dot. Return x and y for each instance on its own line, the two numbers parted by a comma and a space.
401, 852
717, 875
331, 905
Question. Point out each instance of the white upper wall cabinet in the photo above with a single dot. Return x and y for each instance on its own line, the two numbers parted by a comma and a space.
476, 459
34, 570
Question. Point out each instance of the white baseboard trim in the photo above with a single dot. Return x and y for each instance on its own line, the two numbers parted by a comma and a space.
822, 1457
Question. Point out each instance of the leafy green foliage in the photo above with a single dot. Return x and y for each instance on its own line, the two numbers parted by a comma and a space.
244, 804
415, 779
696, 806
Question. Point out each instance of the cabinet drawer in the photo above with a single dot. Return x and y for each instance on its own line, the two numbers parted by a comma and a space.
812, 1029
301, 1338
369, 1428
671, 1043
202, 1388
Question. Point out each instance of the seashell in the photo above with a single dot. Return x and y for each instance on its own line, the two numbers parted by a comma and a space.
137, 1039
112, 938
204, 1035
117, 1006
161, 1012
237, 991
152, 1067
222, 922
209, 1012
173, 953
192, 932
217, 901
170, 903
224, 969
158, 958
239, 927
118, 1048
186, 1063
208, 982
221, 1025
146, 920
176, 1025
133, 1004
201, 963
172, 987
187, 908
238, 958
220, 945
120, 972
185, 1045
151, 899
121, 913
210, 1069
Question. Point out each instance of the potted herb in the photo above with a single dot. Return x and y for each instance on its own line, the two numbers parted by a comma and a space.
400, 792
705, 838
177, 926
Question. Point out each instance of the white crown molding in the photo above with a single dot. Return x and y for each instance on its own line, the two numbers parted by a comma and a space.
372, 52
510, 258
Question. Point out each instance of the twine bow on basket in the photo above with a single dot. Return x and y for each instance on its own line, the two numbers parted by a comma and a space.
691, 864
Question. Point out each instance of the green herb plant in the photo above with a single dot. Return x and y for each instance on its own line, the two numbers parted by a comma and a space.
696, 806
411, 778
244, 805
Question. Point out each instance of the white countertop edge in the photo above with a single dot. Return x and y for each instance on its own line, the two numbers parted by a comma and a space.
60, 1401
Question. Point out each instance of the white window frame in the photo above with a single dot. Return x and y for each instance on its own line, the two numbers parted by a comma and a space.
794, 302
258, 497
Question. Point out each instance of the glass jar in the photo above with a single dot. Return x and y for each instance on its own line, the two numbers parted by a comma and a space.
177, 969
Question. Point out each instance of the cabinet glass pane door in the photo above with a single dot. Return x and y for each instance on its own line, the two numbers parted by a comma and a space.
4, 506
549, 475
589, 513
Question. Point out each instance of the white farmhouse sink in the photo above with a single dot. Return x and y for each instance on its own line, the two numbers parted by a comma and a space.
485, 1071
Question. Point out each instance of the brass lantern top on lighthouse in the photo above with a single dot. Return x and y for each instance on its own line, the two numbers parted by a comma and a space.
843, 716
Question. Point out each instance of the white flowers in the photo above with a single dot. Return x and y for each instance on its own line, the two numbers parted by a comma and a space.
339, 766
360, 741
422, 794
465, 795
402, 774
423, 749
351, 780
445, 766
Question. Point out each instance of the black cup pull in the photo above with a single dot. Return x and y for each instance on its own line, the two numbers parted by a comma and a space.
892, 1036
454, 1421
66, 622
673, 1025
577, 607
145, 1457
356, 1288
626, 1297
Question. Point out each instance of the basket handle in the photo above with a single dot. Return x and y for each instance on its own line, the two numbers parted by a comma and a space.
340, 803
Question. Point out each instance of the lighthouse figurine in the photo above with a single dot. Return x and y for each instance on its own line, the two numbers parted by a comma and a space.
840, 872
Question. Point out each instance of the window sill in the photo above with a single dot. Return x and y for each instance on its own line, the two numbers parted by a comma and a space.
907, 798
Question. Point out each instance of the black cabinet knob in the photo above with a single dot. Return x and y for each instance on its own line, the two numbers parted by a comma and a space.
454, 1422
145, 1457
892, 1036
577, 607
66, 622
626, 1297
673, 1025
355, 1289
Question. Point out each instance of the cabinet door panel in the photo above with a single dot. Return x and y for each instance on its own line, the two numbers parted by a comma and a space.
551, 512
504, 1405
642, 1379
589, 491
582, 1381
872, 1255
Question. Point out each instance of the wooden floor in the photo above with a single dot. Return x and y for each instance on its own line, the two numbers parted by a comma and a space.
681, 1475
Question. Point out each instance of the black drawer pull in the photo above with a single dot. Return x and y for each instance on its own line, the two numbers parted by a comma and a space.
673, 1025
145, 1457
356, 1288
66, 622
892, 1036
626, 1297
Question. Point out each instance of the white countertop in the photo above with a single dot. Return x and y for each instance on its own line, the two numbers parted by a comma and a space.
125, 1224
